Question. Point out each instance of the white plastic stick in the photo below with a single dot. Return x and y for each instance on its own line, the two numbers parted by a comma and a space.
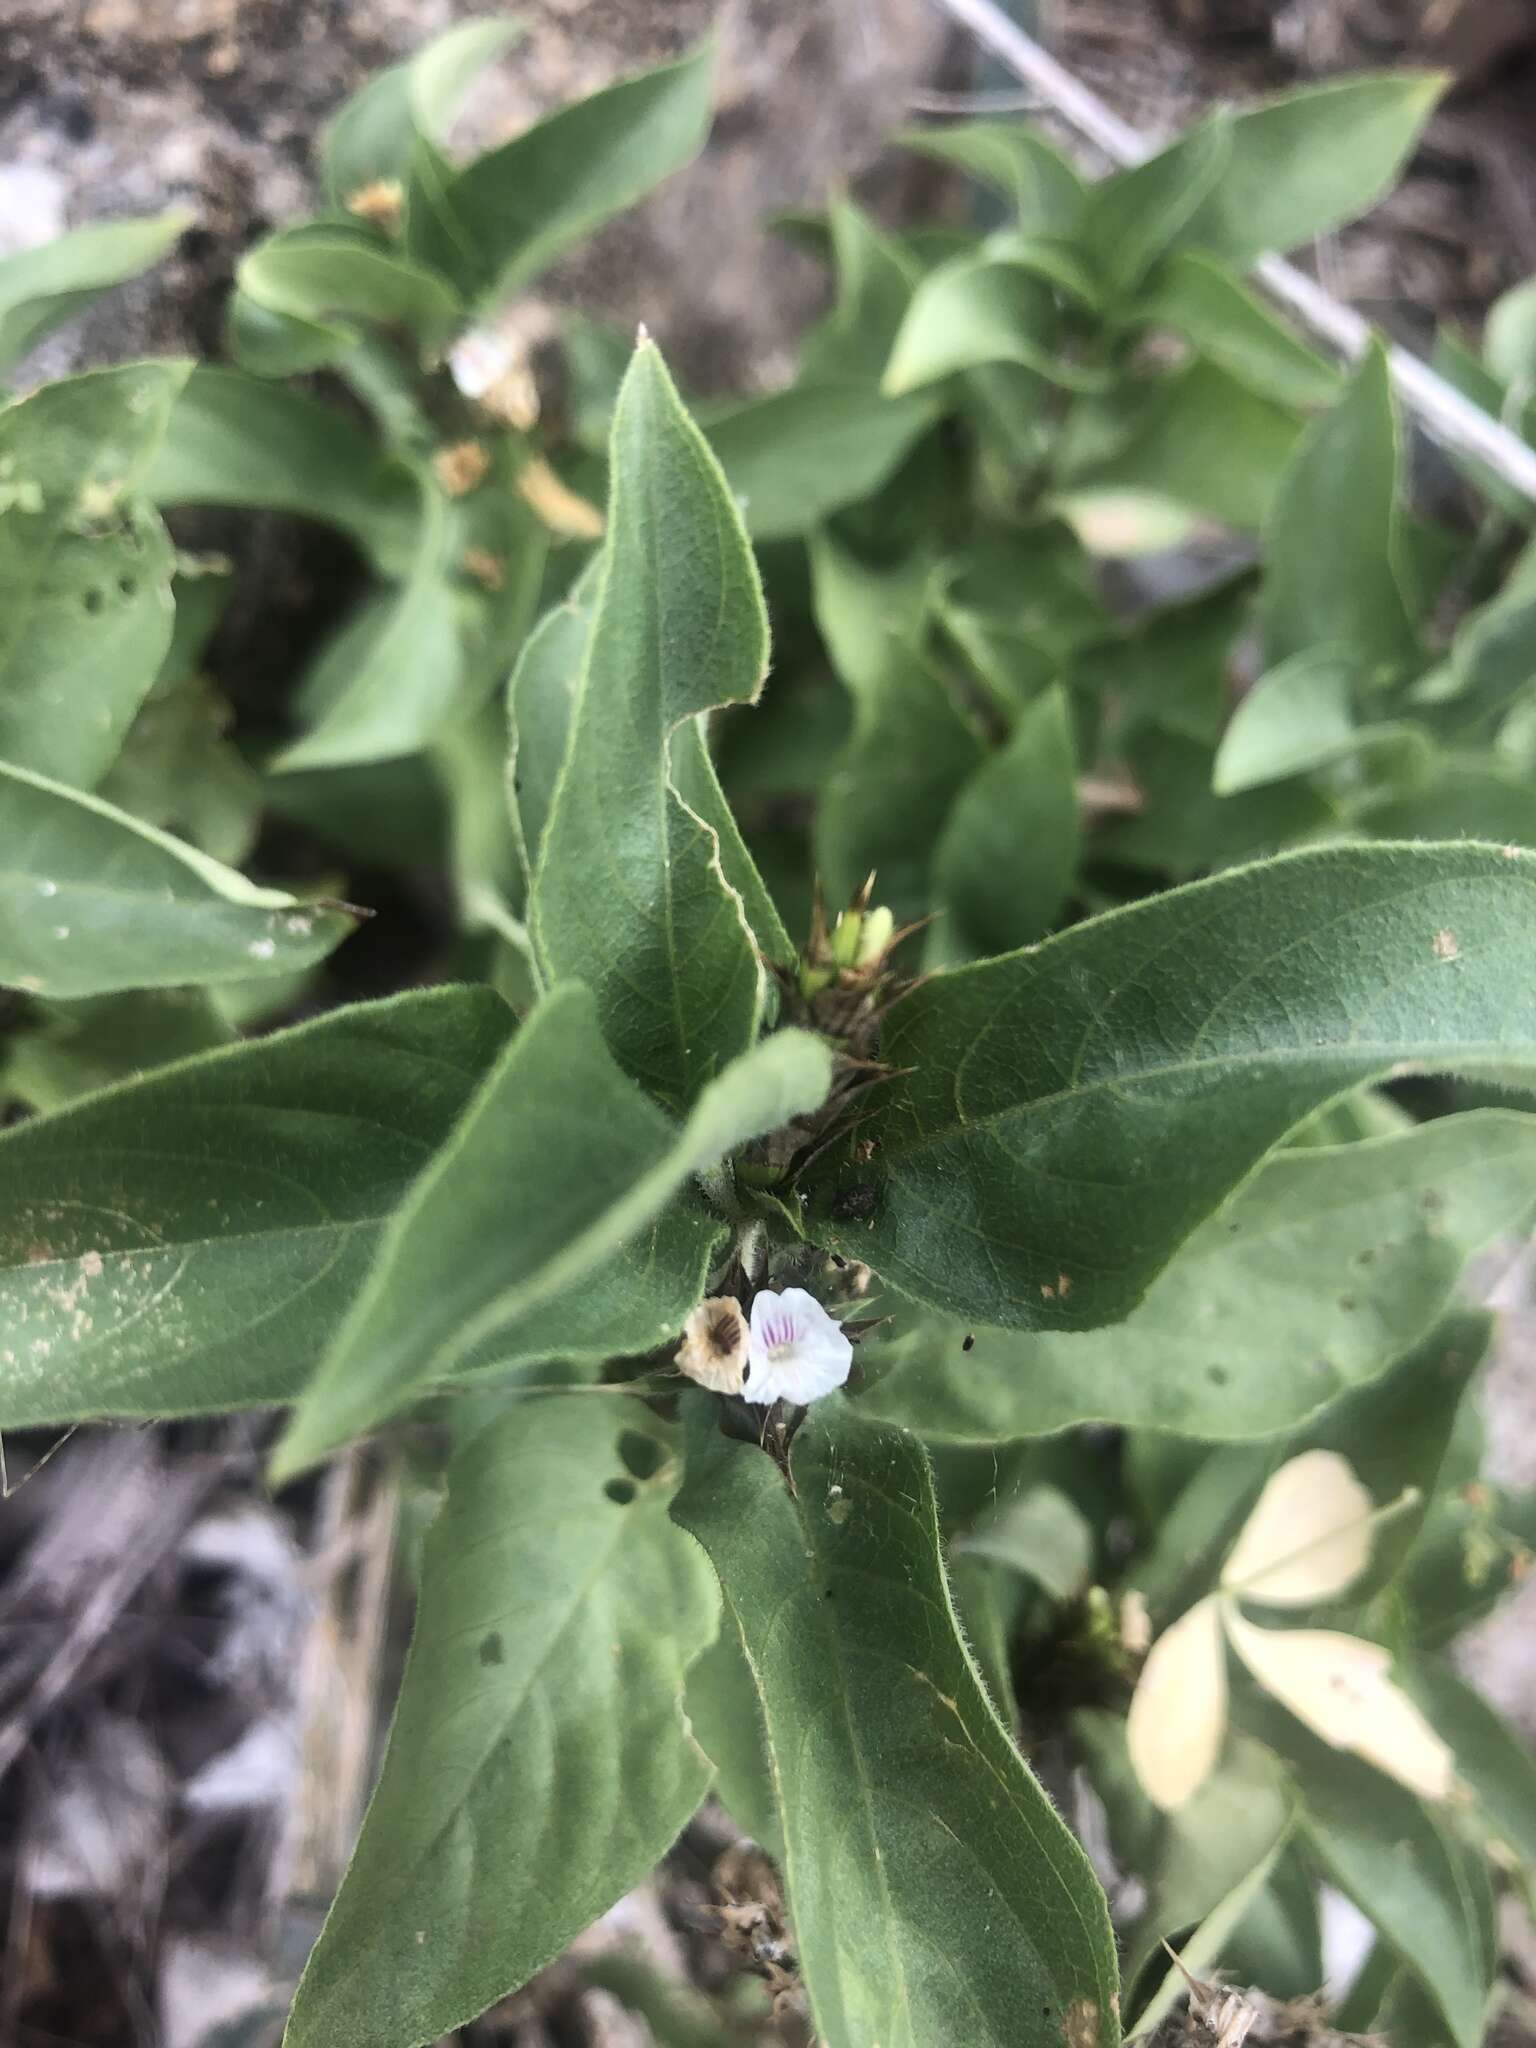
1444, 413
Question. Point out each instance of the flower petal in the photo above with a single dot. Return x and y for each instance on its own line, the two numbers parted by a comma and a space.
795, 1350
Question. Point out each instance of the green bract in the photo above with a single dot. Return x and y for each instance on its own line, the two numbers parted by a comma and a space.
1005, 867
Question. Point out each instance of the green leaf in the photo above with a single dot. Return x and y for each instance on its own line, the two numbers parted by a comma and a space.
1132, 217
630, 896
234, 439
69, 1049
374, 135
1046, 192
1227, 325
796, 456
190, 1241
560, 1609
1310, 160
1067, 1116
1509, 337
42, 288
1325, 1268
993, 306
1404, 1868
936, 1894
1490, 1757
556, 1166
1008, 857
505, 217
1040, 1534
888, 796
875, 279
92, 900
1333, 539
1301, 716
85, 567
310, 281
727, 1723
388, 682
1203, 439
541, 698
1184, 829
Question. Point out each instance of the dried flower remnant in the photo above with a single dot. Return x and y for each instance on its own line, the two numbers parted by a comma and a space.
796, 1352
381, 201
714, 1347
460, 468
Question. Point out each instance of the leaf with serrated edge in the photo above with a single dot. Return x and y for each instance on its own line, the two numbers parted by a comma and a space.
1178, 1712
1308, 1537
1065, 1116
936, 1894
538, 1766
630, 895
558, 1163
190, 1241
91, 900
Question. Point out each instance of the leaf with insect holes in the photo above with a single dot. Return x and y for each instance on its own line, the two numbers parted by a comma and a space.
560, 1610
1308, 1537
936, 1894
91, 900
557, 1165
190, 1240
85, 567
633, 894
1178, 1713
1063, 1118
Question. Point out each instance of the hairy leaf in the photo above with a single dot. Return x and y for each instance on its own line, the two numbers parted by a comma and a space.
557, 1165
1063, 1118
91, 900
190, 1241
935, 1891
630, 894
538, 1765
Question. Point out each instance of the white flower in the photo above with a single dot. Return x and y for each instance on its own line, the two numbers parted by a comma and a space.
795, 1351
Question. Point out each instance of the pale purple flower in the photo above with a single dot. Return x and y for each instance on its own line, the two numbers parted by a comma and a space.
795, 1350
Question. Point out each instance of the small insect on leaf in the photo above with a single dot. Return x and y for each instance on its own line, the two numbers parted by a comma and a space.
1342, 1688
1308, 1538
1179, 1712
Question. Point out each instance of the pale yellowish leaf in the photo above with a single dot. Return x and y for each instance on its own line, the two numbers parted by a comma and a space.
1342, 1688
1179, 1712
1308, 1538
